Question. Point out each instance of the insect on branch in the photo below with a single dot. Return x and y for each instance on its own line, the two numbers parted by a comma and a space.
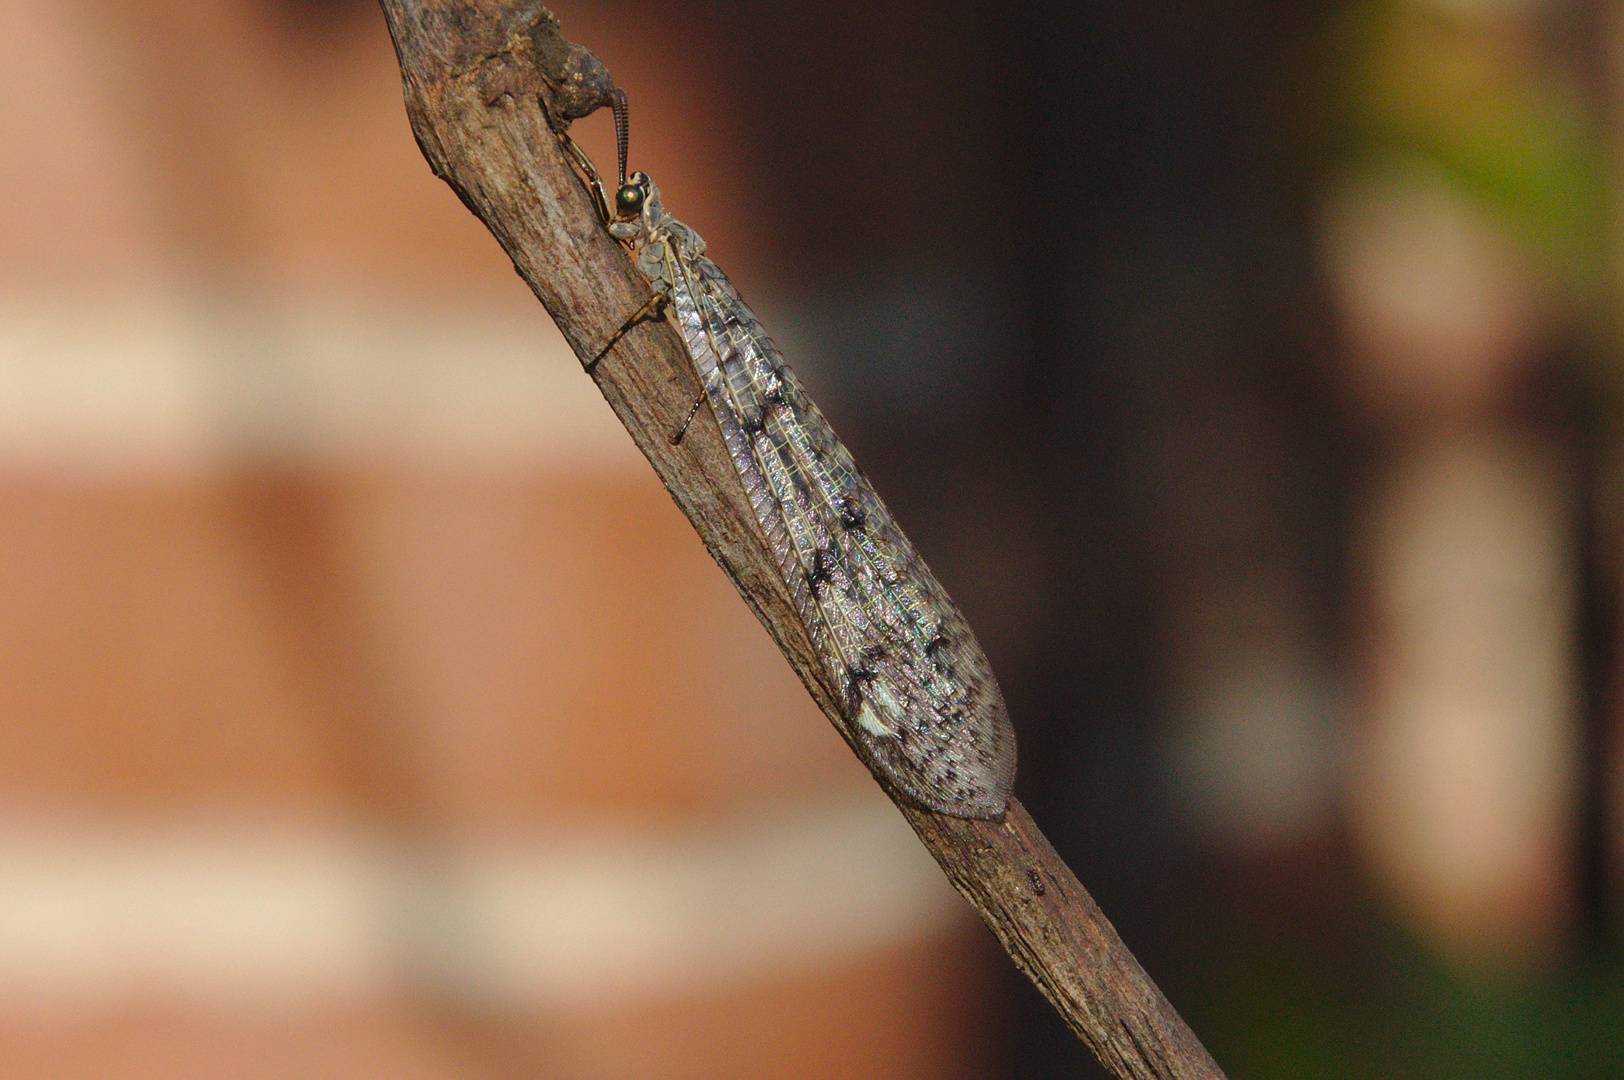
487, 85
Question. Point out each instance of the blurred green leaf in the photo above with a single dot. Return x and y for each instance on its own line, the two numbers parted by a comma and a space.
1486, 102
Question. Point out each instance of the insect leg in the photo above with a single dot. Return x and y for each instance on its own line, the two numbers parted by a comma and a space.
651, 310
590, 171
676, 440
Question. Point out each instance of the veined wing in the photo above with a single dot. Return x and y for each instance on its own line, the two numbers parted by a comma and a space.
917, 688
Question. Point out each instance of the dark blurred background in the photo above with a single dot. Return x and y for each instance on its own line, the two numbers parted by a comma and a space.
1249, 372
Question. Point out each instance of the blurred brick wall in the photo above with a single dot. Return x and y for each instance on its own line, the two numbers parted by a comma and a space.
337, 605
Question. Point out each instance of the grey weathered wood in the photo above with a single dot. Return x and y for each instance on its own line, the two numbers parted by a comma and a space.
472, 71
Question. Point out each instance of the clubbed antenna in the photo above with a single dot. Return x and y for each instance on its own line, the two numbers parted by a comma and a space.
581, 84
623, 132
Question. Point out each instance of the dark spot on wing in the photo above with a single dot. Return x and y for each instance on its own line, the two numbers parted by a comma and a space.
857, 680
822, 564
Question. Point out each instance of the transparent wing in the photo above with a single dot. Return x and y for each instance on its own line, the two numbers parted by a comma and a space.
918, 690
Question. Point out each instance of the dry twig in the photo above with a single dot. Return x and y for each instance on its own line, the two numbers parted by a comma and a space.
481, 79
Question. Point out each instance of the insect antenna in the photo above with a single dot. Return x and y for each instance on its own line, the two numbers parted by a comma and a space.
623, 130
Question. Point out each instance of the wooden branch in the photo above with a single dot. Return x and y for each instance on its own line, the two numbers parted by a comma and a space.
479, 105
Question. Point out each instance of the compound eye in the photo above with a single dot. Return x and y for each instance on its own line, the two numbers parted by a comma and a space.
629, 199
